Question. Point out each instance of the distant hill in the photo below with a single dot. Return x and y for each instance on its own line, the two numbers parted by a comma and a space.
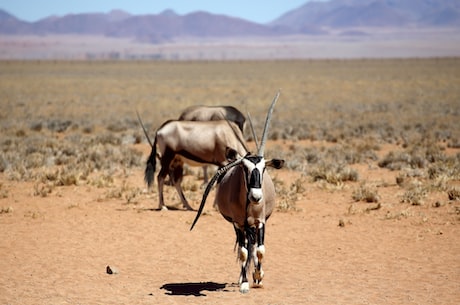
167, 25
311, 18
372, 13
149, 28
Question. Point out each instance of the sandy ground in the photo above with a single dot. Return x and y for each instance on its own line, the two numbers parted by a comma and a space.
55, 249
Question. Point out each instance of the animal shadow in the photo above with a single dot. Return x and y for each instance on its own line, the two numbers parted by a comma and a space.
170, 208
195, 289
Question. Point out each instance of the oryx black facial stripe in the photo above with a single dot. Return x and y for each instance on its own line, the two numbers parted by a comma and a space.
254, 167
255, 179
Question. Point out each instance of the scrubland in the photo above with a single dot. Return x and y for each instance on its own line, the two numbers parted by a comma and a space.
71, 123
368, 204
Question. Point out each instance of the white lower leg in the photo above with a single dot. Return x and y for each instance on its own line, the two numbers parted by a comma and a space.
243, 281
258, 274
244, 287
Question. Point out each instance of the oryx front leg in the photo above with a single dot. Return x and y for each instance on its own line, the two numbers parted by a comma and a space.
259, 254
243, 257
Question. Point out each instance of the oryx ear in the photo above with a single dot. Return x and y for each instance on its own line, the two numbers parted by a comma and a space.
231, 154
275, 163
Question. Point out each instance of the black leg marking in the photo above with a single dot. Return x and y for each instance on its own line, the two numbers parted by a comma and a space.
244, 257
258, 257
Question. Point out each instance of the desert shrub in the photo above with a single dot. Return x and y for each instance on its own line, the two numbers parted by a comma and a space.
448, 166
366, 193
454, 143
3, 191
34, 160
59, 125
117, 126
88, 128
36, 126
333, 173
396, 160
43, 189
287, 196
415, 194
72, 157
453, 193
415, 156
6, 210
3, 163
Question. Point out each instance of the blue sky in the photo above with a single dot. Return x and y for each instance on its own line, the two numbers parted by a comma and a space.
261, 11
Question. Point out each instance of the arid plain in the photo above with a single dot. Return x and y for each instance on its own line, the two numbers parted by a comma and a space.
368, 202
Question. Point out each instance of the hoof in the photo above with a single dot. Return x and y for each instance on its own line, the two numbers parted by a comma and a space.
244, 287
257, 276
163, 208
258, 285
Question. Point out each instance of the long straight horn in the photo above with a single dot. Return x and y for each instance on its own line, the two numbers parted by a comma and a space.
143, 128
253, 131
235, 132
267, 123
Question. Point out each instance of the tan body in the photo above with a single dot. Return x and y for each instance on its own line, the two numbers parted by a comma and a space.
194, 143
231, 199
198, 142
213, 113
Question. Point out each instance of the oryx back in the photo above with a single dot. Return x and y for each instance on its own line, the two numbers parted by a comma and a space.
199, 142
213, 113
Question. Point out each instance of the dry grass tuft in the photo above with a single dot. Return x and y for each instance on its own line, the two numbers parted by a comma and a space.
453, 193
287, 196
333, 173
415, 194
366, 193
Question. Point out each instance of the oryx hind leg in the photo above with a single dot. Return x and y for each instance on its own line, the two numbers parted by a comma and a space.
164, 171
259, 253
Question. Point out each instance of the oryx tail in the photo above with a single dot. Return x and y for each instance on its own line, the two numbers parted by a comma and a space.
151, 161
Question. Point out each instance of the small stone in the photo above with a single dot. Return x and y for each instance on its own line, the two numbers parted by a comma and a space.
112, 270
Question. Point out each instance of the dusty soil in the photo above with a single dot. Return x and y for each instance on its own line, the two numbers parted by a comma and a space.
328, 250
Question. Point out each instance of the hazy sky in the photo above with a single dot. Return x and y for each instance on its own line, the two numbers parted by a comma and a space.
261, 11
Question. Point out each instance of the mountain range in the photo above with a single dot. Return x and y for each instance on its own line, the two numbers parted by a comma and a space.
311, 18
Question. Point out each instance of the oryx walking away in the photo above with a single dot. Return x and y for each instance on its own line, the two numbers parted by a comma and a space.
213, 113
195, 143
245, 196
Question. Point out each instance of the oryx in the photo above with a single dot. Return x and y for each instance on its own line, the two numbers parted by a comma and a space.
245, 196
192, 142
213, 113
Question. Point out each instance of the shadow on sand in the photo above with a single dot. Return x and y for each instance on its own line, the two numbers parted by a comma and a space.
169, 208
195, 289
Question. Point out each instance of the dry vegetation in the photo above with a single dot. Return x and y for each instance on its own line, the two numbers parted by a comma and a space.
368, 204
74, 123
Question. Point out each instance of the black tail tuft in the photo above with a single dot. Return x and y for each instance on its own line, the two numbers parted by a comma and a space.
150, 166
